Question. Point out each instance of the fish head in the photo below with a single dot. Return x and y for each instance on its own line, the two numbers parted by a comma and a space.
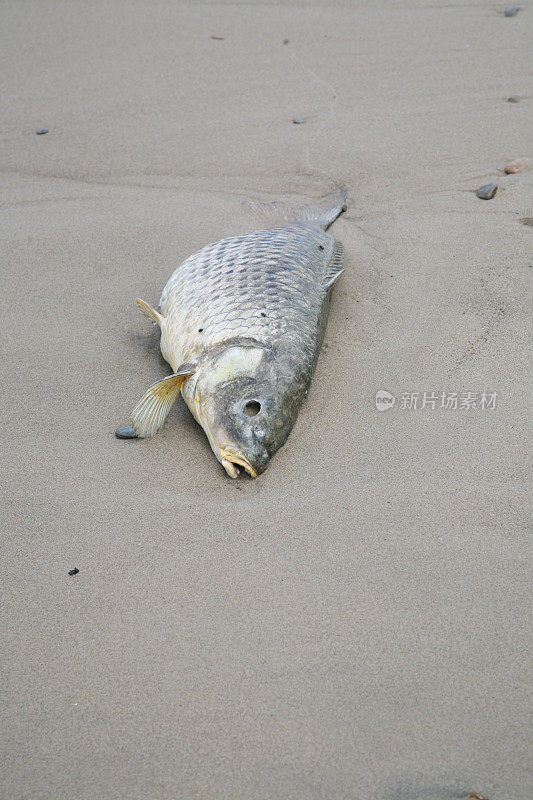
241, 428
235, 398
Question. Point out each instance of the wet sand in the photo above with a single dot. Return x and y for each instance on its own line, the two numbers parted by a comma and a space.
351, 625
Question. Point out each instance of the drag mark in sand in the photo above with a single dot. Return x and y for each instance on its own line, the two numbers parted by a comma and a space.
333, 94
478, 343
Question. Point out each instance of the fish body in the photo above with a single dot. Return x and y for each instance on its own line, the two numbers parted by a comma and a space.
242, 321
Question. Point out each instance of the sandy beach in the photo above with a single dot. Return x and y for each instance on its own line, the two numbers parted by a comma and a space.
352, 624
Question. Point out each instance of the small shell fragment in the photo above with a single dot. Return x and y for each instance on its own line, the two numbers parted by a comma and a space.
513, 99
73, 571
487, 191
517, 165
511, 11
41, 131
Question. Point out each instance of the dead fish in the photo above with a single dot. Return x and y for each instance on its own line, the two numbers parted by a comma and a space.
487, 191
242, 322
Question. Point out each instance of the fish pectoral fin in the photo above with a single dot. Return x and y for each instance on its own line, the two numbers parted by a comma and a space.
154, 406
149, 312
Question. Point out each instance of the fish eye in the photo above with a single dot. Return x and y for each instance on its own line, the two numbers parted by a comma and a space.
251, 408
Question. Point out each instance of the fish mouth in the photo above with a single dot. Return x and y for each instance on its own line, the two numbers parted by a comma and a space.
231, 459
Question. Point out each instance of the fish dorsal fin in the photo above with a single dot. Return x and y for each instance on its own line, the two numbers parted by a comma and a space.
149, 312
334, 269
154, 406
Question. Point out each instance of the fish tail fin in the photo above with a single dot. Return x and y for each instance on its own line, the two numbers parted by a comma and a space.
322, 213
325, 211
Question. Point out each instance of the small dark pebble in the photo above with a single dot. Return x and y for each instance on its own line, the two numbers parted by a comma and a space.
285, 41
486, 192
511, 11
301, 120
41, 131
513, 99
73, 571
218, 38
126, 432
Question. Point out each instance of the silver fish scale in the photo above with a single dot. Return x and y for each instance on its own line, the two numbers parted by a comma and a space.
266, 286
